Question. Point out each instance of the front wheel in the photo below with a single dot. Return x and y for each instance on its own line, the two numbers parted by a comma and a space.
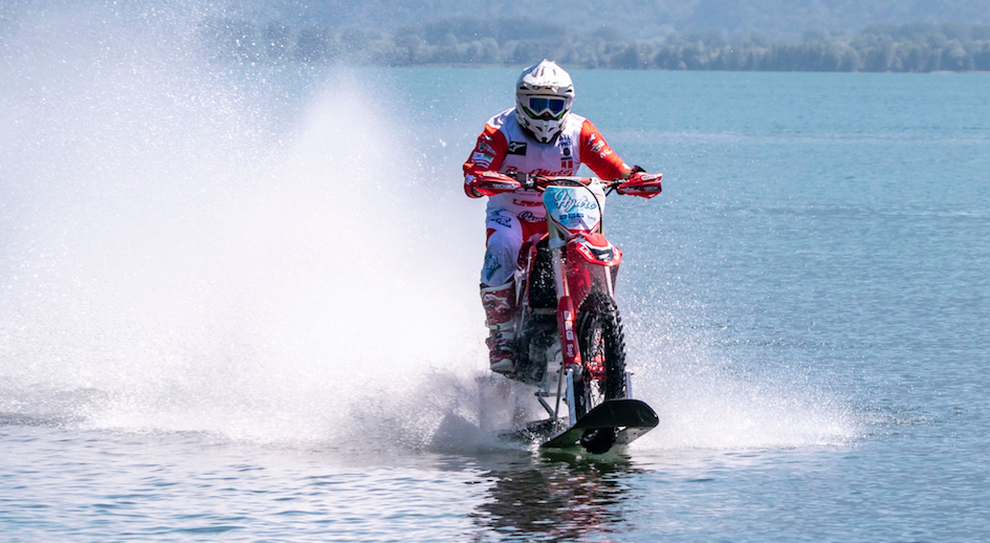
603, 352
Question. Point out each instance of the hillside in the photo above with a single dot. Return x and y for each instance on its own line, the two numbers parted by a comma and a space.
779, 20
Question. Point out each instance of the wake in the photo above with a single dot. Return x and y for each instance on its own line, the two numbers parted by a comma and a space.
197, 258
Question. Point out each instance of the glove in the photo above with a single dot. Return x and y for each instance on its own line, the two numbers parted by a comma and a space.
640, 183
489, 183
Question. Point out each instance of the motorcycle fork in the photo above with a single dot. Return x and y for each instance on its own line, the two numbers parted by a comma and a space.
565, 308
566, 317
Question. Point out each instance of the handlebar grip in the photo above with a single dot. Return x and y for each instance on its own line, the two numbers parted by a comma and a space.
645, 185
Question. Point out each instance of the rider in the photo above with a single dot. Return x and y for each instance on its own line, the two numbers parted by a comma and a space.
540, 136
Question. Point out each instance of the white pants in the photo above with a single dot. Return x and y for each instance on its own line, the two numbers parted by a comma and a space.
507, 228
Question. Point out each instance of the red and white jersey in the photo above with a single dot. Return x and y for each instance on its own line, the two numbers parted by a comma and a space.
506, 148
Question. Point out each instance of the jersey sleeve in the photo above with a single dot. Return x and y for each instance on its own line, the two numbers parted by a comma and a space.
488, 154
596, 153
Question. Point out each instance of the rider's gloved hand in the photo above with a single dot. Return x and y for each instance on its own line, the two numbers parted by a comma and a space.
491, 183
640, 183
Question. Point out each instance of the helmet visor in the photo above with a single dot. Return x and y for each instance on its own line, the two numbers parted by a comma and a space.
546, 108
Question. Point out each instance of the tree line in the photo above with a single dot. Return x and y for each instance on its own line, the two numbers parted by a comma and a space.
920, 47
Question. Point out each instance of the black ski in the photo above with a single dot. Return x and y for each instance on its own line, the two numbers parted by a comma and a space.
629, 418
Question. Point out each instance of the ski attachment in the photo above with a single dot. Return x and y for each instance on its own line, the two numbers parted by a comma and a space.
629, 419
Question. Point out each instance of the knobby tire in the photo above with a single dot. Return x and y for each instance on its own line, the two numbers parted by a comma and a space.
600, 336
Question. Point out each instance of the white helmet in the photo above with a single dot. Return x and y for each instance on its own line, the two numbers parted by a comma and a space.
544, 94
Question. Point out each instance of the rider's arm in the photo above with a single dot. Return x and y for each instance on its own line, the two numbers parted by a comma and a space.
597, 154
607, 165
487, 156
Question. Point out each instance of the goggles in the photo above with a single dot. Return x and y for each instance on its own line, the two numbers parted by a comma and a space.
546, 109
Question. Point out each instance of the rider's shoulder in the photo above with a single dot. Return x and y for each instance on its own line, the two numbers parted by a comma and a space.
503, 119
574, 118
585, 128
581, 123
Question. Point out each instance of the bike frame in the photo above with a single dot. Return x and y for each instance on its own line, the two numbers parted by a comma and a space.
582, 260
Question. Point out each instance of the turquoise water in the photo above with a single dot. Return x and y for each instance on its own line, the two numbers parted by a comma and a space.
241, 305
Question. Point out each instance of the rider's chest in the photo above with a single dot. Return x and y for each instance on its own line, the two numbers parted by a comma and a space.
558, 158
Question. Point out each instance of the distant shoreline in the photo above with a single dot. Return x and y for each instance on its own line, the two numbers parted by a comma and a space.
468, 66
915, 48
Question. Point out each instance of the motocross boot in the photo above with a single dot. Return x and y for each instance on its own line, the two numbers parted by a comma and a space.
499, 303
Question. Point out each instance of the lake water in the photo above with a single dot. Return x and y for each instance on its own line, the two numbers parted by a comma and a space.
239, 305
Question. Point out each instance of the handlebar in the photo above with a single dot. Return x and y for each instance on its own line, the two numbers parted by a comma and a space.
642, 184
541, 182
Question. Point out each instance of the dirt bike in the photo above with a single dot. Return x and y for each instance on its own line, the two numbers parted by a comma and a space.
568, 335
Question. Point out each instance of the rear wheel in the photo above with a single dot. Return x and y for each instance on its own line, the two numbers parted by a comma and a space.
604, 374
